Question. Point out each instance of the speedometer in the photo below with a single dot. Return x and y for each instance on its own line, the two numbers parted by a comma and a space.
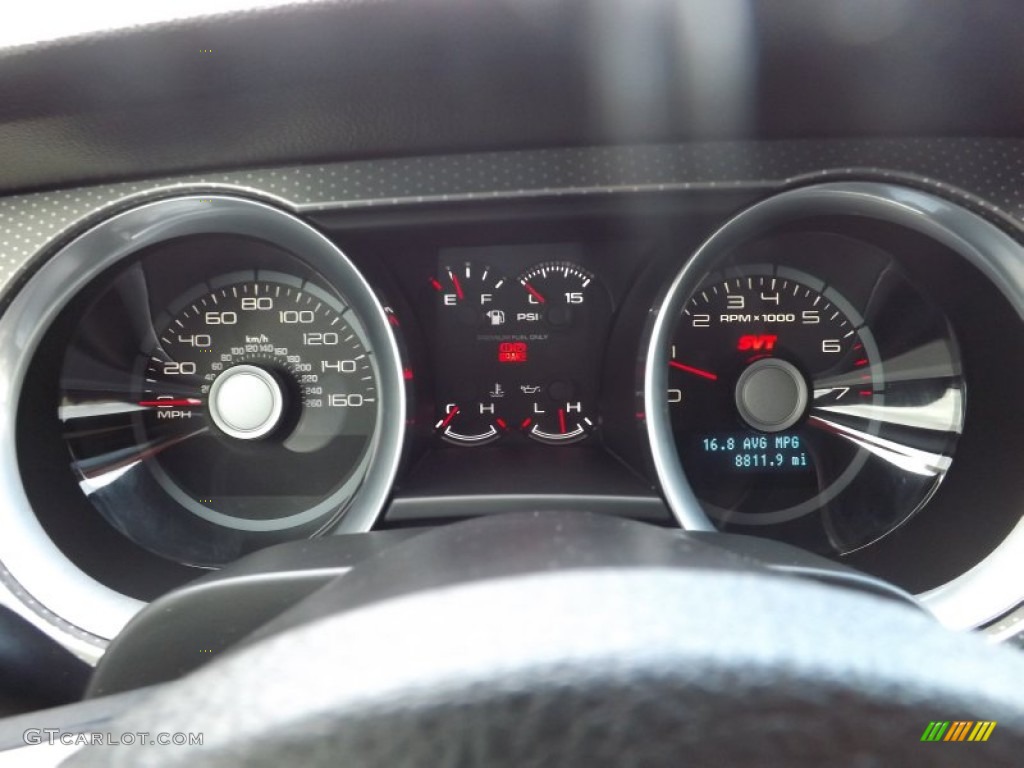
227, 381
259, 397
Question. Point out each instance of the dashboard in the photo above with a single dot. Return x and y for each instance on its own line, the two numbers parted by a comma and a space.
204, 369
809, 335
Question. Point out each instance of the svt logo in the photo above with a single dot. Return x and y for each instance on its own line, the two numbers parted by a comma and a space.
751, 342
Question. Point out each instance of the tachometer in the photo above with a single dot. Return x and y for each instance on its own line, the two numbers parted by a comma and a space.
756, 365
799, 386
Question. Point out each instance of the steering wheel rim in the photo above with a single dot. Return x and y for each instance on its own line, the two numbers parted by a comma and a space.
591, 666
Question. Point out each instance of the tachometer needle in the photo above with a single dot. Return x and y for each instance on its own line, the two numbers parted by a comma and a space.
694, 371
184, 402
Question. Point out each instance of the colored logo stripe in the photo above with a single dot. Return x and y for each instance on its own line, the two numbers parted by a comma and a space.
958, 730
982, 731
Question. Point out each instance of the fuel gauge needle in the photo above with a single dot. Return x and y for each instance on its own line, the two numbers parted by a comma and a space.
694, 371
458, 286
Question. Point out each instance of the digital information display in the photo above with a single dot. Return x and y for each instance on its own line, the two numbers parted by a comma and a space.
752, 452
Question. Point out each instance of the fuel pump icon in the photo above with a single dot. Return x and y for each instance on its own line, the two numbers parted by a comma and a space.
496, 316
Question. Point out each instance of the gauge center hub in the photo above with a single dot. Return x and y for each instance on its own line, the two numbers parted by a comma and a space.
246, 402
771, 395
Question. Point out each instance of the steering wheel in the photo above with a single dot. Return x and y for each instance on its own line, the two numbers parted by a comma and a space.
586, 641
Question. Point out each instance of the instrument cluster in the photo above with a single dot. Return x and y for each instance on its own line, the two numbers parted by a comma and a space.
815, 370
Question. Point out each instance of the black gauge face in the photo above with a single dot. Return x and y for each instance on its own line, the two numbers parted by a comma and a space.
251, 408
264, 397
471, 300
518, 356
783, 405
559, 299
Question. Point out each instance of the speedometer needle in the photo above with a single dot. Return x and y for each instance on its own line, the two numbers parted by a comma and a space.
184, 402
694, 371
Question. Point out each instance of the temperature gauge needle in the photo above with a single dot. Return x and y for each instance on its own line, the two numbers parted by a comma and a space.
448, 419
694, 371
561, 420
184, 402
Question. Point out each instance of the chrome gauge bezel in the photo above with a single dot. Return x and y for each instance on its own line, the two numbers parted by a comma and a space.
39, 572
993, 586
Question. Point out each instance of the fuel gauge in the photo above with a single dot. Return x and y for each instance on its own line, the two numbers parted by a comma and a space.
471, 292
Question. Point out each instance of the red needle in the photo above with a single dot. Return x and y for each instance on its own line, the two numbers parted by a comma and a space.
561, 420
449, 417
458, 288
695, 371
533, 292
184, 402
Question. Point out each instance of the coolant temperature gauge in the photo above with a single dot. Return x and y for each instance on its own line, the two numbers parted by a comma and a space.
473, 422
470, 424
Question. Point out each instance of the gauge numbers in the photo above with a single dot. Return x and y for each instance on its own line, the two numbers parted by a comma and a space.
518, 355
783, 405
